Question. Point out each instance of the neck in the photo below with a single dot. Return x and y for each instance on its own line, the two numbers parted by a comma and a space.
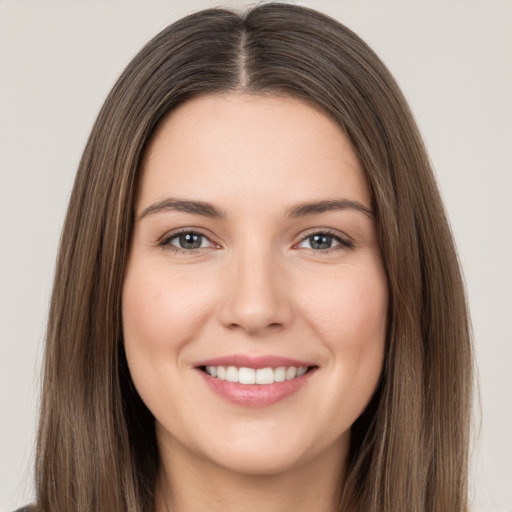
191, 484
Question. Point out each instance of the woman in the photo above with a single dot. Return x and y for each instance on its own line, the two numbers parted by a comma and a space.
257, 302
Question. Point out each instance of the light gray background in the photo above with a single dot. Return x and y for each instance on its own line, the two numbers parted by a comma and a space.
58, 60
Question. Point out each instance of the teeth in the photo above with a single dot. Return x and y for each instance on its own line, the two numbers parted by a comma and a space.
291, 373
232, 374
265, 376
247, 376
280, 374
260, 376
301, 371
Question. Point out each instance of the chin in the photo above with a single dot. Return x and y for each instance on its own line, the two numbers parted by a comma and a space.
270, 455
263, 463
266, 465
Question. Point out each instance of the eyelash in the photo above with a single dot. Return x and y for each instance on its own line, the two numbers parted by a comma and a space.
165, 242
342, 242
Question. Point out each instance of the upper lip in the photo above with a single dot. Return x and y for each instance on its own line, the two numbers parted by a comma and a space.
245, 361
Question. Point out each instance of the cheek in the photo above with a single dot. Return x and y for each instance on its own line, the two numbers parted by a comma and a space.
162, 313
350, 319
351, 312
162, 309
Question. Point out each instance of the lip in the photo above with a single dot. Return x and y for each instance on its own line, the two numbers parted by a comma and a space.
242, 360
255, 395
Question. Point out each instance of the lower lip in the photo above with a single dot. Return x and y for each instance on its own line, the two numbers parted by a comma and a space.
255, 395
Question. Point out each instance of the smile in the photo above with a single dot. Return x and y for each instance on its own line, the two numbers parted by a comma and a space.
255, 381
262, 376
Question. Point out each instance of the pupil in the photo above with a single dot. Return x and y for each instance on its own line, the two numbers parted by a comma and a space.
320, 241
190, 241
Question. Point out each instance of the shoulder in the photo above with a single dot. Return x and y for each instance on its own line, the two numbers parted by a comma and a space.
24, 509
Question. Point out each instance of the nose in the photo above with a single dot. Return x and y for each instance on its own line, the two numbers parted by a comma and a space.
256, 296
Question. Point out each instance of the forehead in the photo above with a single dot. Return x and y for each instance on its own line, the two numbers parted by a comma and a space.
241, 145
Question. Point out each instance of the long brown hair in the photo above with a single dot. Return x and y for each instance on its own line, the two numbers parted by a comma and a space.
96, 444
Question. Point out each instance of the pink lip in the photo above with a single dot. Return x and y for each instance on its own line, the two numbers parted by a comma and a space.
254, 395
241, 360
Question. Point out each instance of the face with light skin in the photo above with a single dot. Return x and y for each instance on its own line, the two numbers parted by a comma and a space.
254, 236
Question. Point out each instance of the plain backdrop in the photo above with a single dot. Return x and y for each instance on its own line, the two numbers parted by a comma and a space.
58, 60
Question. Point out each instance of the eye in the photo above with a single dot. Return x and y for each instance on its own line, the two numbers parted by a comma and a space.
186, 241
324, 241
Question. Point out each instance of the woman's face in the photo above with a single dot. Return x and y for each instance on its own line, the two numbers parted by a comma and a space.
254, 258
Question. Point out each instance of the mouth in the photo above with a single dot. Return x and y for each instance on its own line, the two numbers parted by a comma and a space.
261, 376
255, 381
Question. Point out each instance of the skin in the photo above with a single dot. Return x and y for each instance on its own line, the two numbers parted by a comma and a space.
257, 286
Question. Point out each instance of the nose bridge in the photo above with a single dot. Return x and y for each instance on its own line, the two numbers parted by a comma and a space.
256, 298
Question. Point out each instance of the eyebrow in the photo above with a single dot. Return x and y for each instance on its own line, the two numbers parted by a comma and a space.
313, 208
209, 210
182, 205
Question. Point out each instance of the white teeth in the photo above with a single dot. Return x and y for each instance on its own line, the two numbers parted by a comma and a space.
232, 374
247, 376
265, 376
291, 373
280, 374
301, 371
260, 376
